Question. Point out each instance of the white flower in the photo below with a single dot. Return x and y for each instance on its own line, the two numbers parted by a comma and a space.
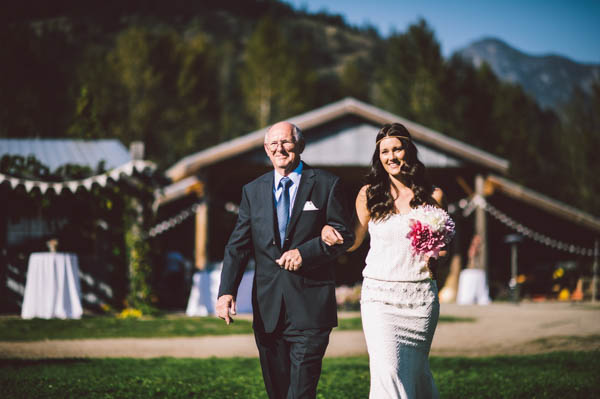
432, 216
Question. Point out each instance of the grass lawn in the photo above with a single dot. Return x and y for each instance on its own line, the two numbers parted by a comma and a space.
556, 375
16, 329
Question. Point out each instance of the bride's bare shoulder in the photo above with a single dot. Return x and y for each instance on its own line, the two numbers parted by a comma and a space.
439, 197
363, 190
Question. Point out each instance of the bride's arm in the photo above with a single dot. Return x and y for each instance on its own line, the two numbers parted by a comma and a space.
330, 236
440, 199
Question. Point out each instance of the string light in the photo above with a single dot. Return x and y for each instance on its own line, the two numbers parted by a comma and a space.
173, 221
480, 202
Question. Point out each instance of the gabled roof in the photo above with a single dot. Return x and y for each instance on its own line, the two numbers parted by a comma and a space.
57, 152
348, 106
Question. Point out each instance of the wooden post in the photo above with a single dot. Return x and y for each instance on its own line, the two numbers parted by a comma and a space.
595, 272
481, 225
201, 235
513, 272
448, 292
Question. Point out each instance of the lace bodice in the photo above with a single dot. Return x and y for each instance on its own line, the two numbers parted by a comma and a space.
390, 257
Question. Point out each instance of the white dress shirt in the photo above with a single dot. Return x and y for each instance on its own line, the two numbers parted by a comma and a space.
295, 177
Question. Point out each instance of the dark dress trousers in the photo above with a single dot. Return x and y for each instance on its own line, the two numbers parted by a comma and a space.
294, 312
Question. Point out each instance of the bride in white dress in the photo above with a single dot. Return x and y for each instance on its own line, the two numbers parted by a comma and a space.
399, 299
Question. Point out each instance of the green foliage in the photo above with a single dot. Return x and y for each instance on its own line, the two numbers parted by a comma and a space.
277, 76
145, 327
92, 327
408, 75
184, 76
539, 376
355, 323
578, 149
152, 86
35, 98
106, 222
139, 258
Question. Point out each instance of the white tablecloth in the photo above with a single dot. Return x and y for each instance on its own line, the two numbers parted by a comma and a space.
52, 287
205, 288
472, 288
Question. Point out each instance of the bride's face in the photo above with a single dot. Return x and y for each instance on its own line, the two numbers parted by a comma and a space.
391, 155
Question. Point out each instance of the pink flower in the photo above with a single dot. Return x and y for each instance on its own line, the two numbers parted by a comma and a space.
429, 239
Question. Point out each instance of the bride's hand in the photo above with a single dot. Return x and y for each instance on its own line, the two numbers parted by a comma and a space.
331, 236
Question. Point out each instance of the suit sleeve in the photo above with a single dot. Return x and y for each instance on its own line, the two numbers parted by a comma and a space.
315, 252
237, 251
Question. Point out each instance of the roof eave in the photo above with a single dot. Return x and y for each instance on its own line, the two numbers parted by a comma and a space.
541, 201
193, 163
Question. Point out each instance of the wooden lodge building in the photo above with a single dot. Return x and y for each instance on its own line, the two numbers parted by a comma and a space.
340, 137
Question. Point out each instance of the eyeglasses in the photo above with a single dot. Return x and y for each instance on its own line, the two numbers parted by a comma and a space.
286, 145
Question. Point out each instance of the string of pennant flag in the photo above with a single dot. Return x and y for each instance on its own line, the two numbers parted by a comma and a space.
128, 169
87, 183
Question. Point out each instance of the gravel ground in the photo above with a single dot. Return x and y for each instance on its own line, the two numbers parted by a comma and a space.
498, 329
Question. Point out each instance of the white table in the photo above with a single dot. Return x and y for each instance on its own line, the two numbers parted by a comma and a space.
472, 288
52, 289
205, 288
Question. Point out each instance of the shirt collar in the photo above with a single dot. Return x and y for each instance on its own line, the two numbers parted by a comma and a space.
294, 176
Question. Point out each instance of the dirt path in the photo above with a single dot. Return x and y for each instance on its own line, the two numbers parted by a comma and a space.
498, 329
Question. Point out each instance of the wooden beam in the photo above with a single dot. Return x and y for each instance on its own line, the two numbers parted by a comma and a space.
544, 202
481, 224
178, 190
201, 236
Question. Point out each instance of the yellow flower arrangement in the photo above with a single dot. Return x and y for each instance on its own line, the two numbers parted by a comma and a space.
130, 313
558, 273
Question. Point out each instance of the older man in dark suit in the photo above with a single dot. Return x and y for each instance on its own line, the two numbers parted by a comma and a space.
281, 215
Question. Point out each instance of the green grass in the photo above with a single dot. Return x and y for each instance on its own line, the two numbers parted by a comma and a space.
355, 323
13, 329
16, 329
556, 375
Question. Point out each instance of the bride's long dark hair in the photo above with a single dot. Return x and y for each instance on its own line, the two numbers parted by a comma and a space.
380, 202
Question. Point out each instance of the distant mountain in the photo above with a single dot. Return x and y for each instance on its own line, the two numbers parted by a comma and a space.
550, 79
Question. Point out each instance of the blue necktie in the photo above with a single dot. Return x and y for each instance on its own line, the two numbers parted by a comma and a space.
283, 207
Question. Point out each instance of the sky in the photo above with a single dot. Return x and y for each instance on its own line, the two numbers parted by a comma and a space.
536, 27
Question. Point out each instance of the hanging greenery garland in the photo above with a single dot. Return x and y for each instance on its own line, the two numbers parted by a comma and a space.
104, 210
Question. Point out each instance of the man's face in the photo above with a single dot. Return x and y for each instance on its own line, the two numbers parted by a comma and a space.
281, 148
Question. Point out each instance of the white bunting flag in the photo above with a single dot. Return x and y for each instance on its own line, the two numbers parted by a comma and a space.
128, 168
101, 179
114, 174
73, 186
87, 183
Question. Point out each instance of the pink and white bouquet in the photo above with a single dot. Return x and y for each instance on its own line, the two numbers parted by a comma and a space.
431, 228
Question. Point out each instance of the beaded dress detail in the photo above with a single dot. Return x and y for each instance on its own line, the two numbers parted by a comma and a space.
400, 310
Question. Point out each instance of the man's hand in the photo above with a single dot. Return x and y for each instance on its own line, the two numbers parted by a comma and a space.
290, 260
225, 306
331, 236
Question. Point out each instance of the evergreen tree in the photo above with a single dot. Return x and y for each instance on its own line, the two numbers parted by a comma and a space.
409, 75
153, 86
276, 78
579, 146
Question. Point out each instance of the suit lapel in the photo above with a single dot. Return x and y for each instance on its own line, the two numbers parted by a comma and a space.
306, 183
266, 196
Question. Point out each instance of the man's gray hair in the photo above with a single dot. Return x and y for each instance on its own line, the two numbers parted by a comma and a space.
298, 136
296, 132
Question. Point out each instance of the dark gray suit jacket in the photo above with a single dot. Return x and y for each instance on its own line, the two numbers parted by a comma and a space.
309, 293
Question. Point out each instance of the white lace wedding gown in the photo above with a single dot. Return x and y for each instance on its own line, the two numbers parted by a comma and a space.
400, 310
